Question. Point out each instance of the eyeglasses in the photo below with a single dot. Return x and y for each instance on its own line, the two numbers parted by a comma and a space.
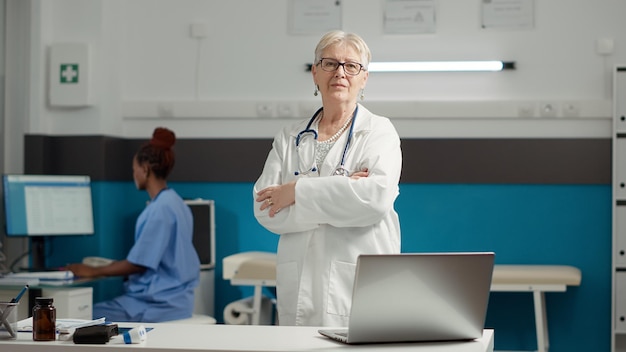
331, 65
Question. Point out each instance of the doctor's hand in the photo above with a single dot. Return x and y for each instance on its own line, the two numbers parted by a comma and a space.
276, 198
358, 174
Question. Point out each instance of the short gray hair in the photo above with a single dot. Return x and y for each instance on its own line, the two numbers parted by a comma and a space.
338, 37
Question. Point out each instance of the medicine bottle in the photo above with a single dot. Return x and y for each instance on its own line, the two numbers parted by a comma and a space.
44, 319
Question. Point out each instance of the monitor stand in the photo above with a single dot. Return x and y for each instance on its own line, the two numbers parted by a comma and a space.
38, 253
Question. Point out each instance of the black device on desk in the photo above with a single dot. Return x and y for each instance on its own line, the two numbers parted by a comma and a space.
39, 206
96, 334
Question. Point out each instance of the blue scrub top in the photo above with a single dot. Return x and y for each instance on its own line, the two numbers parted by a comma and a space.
164, 246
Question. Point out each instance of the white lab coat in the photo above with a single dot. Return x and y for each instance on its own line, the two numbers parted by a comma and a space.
333, 220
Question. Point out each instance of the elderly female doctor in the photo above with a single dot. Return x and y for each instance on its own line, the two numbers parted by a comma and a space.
328, 189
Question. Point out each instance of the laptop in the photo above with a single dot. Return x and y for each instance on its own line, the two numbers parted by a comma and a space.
413, 297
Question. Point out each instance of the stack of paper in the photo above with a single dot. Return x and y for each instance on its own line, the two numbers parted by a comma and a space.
43, 275
18, 281
64, 326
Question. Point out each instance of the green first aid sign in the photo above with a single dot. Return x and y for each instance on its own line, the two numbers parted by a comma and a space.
69, 73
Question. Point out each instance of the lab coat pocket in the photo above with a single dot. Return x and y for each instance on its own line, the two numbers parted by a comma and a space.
340, 288
287, 291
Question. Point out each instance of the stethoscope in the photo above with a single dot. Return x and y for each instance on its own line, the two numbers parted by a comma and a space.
340, 170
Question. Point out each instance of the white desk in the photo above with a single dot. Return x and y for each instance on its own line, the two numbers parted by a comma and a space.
243, 338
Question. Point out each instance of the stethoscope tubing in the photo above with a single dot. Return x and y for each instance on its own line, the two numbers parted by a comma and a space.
308, 129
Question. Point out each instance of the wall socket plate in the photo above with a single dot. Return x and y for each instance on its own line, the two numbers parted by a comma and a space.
527, 110
570, 109
548, 109
288, 110
265, 109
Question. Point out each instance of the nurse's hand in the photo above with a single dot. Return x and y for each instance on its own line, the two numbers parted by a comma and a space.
116, 268
81, 270
276, 198
358, 174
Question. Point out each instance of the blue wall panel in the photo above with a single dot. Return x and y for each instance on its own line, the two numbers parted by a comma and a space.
522, 224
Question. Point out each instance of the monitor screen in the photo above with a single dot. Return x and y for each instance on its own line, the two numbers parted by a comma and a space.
203, 211
48, 205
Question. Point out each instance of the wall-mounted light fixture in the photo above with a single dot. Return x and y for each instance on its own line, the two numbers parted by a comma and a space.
438, 66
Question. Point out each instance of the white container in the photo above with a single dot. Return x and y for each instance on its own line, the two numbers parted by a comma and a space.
8, 320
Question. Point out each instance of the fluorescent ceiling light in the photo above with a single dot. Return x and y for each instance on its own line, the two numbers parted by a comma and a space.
438, 66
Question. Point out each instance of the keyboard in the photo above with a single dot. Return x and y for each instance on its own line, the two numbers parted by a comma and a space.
32, 270
43, 275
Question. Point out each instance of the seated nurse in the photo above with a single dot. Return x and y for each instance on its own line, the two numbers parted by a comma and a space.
162, 266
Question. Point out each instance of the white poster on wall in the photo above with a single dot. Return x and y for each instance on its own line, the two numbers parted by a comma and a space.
314, 16
409, 16
508, 14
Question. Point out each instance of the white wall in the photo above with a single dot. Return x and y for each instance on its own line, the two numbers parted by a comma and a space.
148, 71
253, 57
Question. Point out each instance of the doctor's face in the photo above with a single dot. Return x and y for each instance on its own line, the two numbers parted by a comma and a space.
340, 84
140, 175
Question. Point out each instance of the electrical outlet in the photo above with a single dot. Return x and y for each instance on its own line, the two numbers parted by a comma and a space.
286, 110
526, 110
265, 109
165, 110
548, 109
570, 109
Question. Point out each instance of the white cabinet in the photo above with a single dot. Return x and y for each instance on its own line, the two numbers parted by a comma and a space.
619, 247
620, 303
76, 303
618, 318
70, 302
205, 293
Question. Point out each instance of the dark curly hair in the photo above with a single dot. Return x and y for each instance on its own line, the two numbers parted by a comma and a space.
158, 152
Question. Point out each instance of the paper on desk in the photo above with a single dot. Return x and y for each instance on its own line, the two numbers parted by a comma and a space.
64, 326
18, 281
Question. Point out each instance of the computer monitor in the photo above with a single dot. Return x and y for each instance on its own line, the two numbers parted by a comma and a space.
47, 205
203, 211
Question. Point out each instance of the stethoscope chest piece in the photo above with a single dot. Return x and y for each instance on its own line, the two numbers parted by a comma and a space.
340, 171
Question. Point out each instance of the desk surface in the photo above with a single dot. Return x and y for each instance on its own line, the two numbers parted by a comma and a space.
16, 284
248, 338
